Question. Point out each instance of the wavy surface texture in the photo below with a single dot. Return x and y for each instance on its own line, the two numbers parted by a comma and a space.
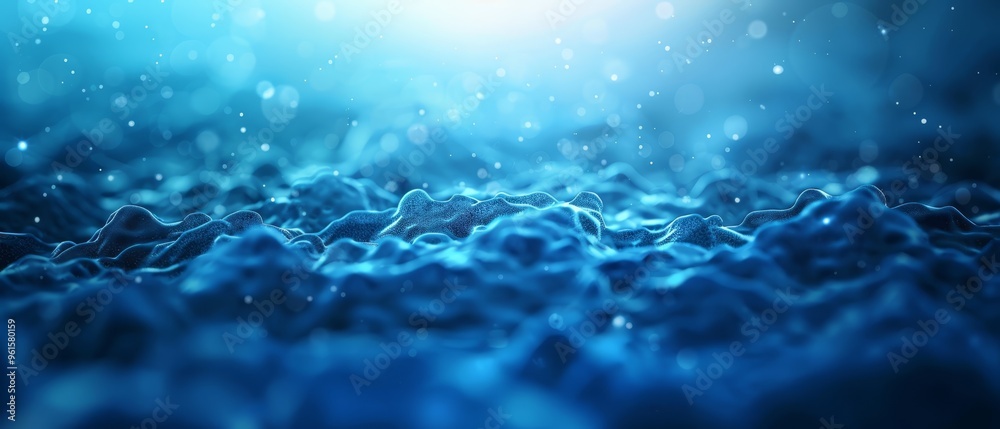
518, 214
522, 299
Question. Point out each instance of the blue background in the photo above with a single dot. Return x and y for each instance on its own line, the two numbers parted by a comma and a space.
638, 181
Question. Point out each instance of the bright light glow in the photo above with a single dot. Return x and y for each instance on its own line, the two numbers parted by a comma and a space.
502, 24
665, 10
325, 11
504, 18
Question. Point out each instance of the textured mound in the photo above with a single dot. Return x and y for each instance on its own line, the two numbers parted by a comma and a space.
527, 308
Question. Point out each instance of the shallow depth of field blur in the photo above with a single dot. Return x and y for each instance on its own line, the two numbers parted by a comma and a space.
485, 213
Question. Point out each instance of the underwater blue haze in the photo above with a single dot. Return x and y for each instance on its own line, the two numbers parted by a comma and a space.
249, 214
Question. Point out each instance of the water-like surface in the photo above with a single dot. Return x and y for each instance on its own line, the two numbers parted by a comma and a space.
246, 214
311, 310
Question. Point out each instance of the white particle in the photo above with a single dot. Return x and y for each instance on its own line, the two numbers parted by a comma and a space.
618, 321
